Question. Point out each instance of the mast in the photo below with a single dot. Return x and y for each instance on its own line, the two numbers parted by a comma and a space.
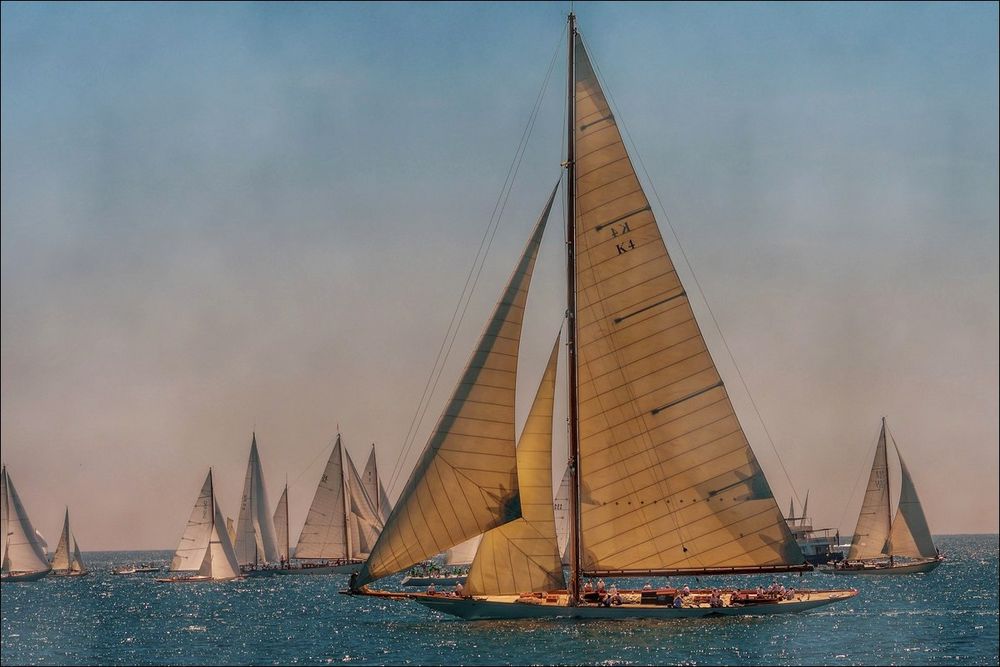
574, 441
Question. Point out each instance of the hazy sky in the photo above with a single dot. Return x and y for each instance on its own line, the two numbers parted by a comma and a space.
217, 218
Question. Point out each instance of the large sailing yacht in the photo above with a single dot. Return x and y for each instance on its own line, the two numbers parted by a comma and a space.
662, 478
23, 557
879, 539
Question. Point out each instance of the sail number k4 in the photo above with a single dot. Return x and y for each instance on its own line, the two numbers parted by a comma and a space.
624, 245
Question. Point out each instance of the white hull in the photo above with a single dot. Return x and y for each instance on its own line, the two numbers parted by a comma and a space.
483, 609
907, 568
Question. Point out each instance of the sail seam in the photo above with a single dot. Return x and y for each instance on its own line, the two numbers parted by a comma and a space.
619, 320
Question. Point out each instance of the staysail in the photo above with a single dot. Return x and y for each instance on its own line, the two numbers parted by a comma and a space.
21, 549
465, 482
668, 478
910, 535
464, 553
255, 541
523, 555
67, 556
874, 521
281, 525
374, 488
191, 550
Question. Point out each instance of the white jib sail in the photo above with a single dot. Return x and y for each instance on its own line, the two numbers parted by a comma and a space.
219, 559
62, 558
281, 525
374, 488
191, 550
560, 509
911, 536
464, 553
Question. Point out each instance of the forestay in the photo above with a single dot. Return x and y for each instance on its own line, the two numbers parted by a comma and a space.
465, 482
668, 478
523, 555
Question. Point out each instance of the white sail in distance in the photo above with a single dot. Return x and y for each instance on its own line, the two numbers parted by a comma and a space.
560, 509
255, 540
374, 488
910, 535
191, 550
67, 555
464, 553
668, 479
465, 481
281, 525
22, 551
342, 521
219, 559
523, 555
871, 534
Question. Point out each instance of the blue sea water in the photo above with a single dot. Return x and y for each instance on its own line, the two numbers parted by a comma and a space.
947, 617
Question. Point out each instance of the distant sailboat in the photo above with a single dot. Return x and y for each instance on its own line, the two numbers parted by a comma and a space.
374, 489
205, 549
22, 557
281, 526
67, 561
255, 540
662, 478
342, 524
879, 538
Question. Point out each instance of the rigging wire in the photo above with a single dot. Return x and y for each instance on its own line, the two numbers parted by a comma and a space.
472, 278
701, 292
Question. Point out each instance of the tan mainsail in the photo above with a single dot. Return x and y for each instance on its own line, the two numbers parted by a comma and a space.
910, 535
465, 482
523, 555
874, 522
668, 479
